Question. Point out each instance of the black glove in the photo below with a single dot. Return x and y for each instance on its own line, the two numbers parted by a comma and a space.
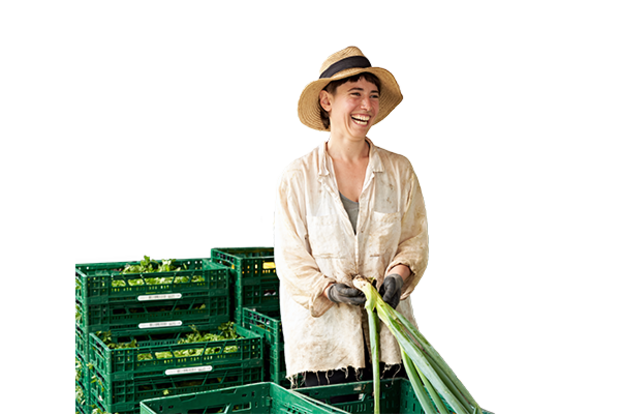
341, 293
391, 288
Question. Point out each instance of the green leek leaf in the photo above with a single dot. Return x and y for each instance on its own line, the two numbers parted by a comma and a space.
373, 323
425, 367
434, 396
418, 388
435, 357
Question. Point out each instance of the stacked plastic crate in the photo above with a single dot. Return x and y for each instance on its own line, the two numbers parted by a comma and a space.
131, 331
256, 301
268, 324
397, 396
255, 284
81, 380
263, 398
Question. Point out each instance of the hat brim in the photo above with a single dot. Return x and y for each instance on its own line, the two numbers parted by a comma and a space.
309, 109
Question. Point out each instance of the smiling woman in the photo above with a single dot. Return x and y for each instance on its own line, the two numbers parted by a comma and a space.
347, 208
333, 86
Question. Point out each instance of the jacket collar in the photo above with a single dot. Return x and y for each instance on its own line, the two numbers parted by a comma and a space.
374, 163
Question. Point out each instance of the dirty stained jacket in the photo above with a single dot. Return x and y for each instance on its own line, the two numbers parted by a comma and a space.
315, 245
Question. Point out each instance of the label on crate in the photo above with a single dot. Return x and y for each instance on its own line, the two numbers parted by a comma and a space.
189, 370
160, 297
160, 324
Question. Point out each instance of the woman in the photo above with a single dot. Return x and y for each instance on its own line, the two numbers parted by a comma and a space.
347, 208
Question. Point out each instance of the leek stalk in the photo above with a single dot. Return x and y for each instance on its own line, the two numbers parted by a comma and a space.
433, 393
373, 324
425, 367
439, 362
416, 383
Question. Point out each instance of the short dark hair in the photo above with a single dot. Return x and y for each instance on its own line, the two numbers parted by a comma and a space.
332, 86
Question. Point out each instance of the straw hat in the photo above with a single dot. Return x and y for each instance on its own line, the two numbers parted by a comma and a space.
343, 64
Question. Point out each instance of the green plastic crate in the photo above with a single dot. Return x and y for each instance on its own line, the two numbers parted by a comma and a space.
82, 384
158, 353
255, 282
397, 396
125, 395
101, 305
82, 409
204, 309
261, 398
103, 283
263, 297
269, 326
82, 377
81, 342
252, 263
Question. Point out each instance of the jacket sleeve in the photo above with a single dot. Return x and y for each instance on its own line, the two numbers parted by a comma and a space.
298, 272
413, 245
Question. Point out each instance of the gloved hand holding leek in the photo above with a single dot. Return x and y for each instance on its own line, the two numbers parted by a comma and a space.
425, 368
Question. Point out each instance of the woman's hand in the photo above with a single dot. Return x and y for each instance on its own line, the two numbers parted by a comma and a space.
391, 288
341, 293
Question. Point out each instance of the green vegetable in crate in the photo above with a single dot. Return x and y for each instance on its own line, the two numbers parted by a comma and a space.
78, 314
227, 331
425, 368
78, 370
79, 394
94, 379
78, 391
151, 266
106, 337
145, 266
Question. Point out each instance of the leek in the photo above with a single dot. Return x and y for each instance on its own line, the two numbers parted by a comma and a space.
416, 383
425, 368
373, 324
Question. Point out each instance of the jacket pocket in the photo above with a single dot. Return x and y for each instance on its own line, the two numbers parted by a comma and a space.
384, 233
325, 236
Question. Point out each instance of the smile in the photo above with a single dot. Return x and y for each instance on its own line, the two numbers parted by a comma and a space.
361, 119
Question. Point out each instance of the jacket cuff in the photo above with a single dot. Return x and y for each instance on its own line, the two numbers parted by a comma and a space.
409, 283
320, 306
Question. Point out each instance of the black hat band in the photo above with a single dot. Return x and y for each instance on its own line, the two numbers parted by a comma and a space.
346, 63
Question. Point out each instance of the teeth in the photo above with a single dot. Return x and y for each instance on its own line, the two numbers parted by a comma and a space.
361, 117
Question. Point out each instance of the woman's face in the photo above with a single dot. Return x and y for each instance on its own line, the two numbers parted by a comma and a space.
352, 109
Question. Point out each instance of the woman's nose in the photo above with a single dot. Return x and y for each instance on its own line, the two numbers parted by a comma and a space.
366, 103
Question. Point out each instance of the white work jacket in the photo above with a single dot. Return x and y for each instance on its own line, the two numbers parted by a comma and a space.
315, 245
